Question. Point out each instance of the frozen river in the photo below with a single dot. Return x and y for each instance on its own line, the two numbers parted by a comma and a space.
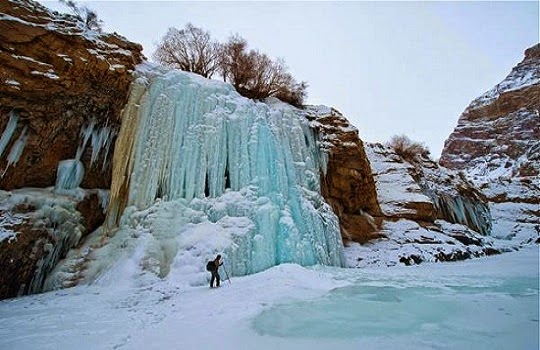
489, 303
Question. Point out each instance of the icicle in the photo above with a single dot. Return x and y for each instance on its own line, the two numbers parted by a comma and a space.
101, 142
9, 130
69, 174
86, 133
461, 210
103, 196
16, 149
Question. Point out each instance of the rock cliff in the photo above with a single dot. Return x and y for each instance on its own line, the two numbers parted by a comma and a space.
346, 182
62, 89
497, 145
500, 127
427, 214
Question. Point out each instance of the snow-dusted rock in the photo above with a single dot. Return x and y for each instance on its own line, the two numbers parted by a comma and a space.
429, 213
502, 125
497, 145
37, 229
62, 86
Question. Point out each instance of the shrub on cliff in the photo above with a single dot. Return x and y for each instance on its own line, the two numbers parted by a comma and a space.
252, 73
408, 149
256, 76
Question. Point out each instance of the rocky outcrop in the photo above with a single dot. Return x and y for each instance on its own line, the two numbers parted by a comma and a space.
501, 126
427, 214
62, 87
398, 193
346, 181
497, 145
421, 190
37, 229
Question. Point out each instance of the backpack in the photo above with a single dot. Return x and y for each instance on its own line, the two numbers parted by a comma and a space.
210, 266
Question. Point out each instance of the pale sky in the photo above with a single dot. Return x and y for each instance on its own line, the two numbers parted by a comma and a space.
390, 67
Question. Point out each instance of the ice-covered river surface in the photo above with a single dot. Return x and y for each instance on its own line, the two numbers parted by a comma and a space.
489, 303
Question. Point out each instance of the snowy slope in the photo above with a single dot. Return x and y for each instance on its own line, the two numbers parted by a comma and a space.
481, 304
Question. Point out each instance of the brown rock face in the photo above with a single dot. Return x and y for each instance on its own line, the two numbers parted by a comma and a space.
19, 258
347, 185
62, 88
503, 123
497, 145
56, 78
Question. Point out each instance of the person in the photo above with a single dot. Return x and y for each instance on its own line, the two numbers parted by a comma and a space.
215, 273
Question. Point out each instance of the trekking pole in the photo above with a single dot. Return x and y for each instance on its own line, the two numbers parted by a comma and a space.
226, 273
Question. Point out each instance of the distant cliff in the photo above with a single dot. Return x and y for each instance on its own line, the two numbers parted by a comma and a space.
497, 145
499, 131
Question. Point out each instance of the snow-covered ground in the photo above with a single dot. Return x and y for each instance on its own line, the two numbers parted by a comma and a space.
487, 303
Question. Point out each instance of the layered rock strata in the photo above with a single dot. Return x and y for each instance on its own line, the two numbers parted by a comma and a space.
497, 145
62, 87
428, 214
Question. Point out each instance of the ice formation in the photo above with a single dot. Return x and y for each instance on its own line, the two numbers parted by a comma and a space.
9, 130
70, 172
223, 169
18, 146
17, 149
53, 214
100, 140
462, 210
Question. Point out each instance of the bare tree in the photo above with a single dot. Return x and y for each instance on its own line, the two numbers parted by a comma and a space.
87, 16
235, 64
294, 94
408, 149
190, 49
255, 75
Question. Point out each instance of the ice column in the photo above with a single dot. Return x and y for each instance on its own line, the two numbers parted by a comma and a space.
462, 210
69, 174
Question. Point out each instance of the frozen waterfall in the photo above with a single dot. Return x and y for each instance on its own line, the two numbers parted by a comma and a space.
198, 169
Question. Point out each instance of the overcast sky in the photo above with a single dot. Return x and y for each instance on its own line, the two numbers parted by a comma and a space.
390, 67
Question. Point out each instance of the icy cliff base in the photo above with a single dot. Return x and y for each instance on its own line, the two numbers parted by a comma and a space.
37, 229
200, 170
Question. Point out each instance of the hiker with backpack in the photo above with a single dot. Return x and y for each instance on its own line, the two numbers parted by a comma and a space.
213, 266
